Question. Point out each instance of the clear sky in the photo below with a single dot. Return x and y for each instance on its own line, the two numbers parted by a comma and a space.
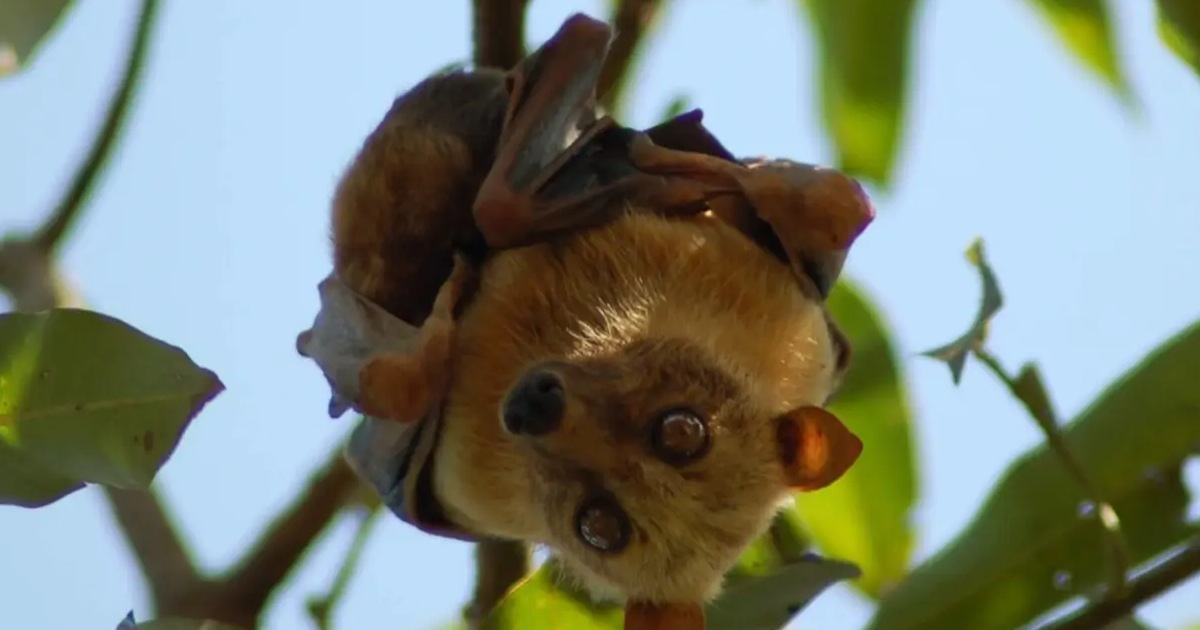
210, 232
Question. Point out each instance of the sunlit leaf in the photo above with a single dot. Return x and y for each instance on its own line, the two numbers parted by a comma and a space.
546, 600
24, 24
864, 516
1037, 542
763, 601
1085, 29
1179, 28
86, 398
954, 354
864, 50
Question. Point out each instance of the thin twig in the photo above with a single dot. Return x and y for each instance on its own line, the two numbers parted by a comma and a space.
1154, 582
1046, 419
281, 546
499, 32
51, 234
632, 20
320, 607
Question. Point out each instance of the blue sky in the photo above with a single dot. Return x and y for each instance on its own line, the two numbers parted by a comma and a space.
210, 232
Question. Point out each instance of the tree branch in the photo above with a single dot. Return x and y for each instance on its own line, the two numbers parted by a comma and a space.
52, 232
632, 20
320, 607
168, 568
499, 565
281, 546
499, 32
1154, 582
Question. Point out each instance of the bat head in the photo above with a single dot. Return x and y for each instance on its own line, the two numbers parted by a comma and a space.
665, 435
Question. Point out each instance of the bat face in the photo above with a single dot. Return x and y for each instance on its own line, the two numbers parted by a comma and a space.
662, 429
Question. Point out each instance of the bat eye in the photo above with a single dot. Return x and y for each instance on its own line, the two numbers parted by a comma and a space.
679, 436
602, 524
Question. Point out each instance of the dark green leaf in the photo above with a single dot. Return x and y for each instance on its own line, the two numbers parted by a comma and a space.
1085, 28
85, 398
864, 516
768, 601
1179, 28
1036, 542
1126, 623
863, 57
955, 353
24, 24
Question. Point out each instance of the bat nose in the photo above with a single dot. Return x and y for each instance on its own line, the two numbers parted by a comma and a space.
535, 405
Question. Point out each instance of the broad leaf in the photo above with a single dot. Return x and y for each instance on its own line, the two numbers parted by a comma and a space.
765, 600
1085, 28
954, 354
546, 600
24, 24
863, 56
1036, 542
865, 515
1179, 28
768, 601
86, 398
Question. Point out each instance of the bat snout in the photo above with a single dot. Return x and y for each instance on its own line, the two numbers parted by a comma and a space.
535, 405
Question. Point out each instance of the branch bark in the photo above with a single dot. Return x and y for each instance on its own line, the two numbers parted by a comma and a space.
499, 32
1154, 582
282, 545
632, 21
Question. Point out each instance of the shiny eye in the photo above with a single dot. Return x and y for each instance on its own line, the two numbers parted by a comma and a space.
602, 524
679, 436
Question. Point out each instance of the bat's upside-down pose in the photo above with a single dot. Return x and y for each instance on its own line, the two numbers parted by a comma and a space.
608, 341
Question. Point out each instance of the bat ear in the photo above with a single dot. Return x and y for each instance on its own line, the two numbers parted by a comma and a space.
816, 449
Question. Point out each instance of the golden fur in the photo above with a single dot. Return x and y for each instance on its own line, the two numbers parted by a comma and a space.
637, 316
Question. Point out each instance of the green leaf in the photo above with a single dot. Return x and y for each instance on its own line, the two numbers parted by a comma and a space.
865, 515
1085, 28
954, 354
1179, 28
769, 601
24, 24
86, 398
765, 599
1034, 543
675, 107
545, 600
863, 58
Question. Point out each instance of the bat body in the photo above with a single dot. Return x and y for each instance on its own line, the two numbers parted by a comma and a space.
607, 341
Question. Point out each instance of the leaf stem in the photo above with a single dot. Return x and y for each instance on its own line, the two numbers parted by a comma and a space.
1154, 582
52, 232
1038, 406
320, 608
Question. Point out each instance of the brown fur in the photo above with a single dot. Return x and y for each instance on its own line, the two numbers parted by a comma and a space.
404, 204
637, 316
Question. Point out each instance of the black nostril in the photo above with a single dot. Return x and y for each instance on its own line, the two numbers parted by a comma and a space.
535, 405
